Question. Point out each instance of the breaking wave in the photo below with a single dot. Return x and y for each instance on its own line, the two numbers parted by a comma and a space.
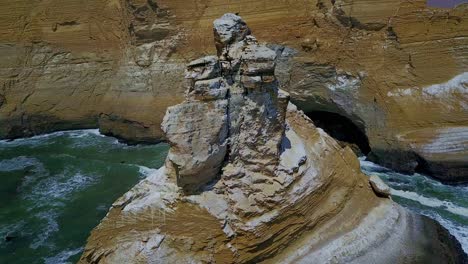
145, 171
447, 204
64, 256
58, 186
432, 202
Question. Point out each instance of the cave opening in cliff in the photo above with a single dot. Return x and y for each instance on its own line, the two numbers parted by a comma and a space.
342, 129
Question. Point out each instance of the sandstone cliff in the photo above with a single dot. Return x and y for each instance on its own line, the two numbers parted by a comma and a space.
250, 179
396, 69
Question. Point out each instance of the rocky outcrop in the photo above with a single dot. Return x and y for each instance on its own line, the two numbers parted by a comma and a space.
379, 186
250, 179
118, 65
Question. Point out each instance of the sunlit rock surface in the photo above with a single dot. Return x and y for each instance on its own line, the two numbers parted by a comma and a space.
386, 65
250, 179
379, 186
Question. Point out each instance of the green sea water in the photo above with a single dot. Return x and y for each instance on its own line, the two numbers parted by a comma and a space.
56, 188
447, 204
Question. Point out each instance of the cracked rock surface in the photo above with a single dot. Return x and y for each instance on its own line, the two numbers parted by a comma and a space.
250, 179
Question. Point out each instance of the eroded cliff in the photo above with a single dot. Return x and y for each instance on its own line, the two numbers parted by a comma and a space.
396, 69
250, 179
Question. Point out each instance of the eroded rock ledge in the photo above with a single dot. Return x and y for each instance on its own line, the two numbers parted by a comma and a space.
250, 179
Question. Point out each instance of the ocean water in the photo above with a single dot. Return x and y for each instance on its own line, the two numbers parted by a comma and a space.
57, 187
448, 204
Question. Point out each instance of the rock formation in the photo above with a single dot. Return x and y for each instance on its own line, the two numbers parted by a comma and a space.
396, 69
250, 179
379, 186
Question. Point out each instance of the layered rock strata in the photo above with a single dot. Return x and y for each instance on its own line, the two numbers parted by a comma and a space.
397, 69
250, 179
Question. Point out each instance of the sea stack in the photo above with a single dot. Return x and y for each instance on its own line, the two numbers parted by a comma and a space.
250, 179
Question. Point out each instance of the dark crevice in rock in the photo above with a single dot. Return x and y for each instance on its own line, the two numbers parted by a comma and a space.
391, 34
395, 159
154, 6
351, 22
453, 172
320, 5
64, 24
2, 100
342, 129
421, 166
68, 23
229, 132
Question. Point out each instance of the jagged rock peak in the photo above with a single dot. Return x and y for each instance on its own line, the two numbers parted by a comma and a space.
228, 29
233, 111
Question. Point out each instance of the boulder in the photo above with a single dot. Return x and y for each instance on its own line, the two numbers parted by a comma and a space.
379, 186
229, 29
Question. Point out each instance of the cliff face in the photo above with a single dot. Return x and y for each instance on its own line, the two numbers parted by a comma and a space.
395, 68
86, 63
250, 179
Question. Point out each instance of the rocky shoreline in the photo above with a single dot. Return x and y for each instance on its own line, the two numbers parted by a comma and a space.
250, 179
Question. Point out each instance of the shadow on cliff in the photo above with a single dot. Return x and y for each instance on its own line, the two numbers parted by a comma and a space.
348, 133
342, 129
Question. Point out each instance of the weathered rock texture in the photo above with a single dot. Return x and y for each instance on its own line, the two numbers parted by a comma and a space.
250, 179
397, 69
379, 186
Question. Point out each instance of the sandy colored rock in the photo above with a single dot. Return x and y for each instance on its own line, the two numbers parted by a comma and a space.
379, 186
198, 143
286, 192
397, 69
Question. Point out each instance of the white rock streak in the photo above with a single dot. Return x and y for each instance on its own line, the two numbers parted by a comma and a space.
448, 140
459, 84
456, 85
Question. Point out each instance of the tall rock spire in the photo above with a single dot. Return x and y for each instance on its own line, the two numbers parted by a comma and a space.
233, 111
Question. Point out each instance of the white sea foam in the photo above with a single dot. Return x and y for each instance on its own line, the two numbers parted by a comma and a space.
19, 163
83, 133
365, 164
42, 139
432, 202
60, 186
62, 257
460, 232
51, 226
369, 167
11, 229
145, 171
52, 192
54, 178
431, 205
